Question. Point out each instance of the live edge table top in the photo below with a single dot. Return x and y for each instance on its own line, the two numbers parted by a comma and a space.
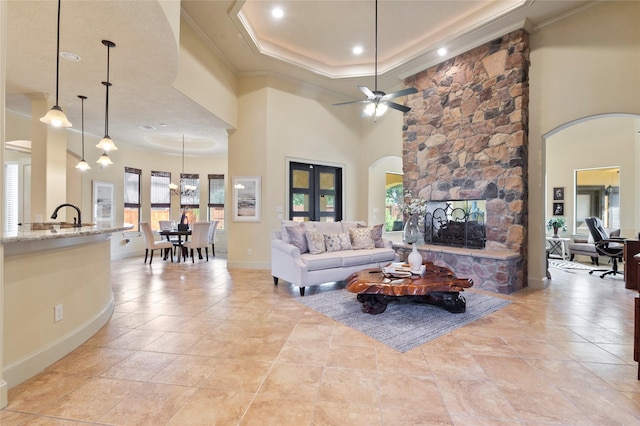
437, 286
435, 278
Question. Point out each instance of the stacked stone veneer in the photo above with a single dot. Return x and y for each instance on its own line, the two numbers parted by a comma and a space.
466, 138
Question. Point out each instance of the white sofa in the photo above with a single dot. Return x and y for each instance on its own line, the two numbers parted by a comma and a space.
291, 261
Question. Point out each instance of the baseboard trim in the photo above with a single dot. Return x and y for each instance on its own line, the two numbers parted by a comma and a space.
4, 390
34, 363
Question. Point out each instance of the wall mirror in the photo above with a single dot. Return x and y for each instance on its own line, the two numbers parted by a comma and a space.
597, 194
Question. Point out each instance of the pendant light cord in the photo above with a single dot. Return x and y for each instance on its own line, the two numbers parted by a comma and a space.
106, 108
83, 98
58, 55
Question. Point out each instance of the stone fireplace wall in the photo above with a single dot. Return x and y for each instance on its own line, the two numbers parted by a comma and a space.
466, 136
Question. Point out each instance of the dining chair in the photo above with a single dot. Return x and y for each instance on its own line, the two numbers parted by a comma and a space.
168, 225
152, 244
199, 239
212, 236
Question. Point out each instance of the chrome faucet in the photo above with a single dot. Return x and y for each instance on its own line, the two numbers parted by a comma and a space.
76, 224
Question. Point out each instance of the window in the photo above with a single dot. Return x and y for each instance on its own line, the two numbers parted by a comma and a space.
132, 197
393, 202
216, 199
11, 197
190, 200
160, 198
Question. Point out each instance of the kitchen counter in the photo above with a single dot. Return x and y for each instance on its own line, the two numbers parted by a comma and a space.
57, 294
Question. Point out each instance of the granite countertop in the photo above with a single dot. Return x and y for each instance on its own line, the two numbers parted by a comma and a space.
24, 233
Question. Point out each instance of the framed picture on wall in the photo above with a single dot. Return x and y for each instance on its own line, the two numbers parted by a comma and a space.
103, 199
558, 193
558, 209
246, 199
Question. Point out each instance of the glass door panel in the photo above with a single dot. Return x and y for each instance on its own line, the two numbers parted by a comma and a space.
315, 192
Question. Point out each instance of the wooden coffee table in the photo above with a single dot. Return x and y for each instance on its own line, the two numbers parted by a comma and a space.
438, 286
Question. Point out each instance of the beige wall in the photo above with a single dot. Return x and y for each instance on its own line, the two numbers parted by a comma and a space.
584, 65
205, 79
592, 144
79, 186
281, 121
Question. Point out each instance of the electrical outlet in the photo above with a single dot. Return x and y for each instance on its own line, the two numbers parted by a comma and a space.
57, 313
249, 252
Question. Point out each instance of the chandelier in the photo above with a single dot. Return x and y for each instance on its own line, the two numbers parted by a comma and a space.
183, 188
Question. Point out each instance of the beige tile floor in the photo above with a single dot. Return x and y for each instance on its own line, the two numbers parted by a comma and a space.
197, 344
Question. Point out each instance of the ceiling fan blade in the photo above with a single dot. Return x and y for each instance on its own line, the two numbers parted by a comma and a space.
352, 102
367, 92
396, 106
399, 93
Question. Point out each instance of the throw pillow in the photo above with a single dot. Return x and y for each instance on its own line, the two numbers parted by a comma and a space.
361, 238
376, 234
283, 228
297, 237
315, 241
337, 242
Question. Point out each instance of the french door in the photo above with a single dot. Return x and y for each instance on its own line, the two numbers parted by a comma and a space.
315, 192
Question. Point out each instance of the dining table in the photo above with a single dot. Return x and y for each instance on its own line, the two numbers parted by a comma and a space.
180, 234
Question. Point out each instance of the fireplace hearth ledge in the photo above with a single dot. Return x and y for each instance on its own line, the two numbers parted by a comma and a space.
499, 271
437, 248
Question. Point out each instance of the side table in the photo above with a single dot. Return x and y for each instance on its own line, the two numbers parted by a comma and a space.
559, 246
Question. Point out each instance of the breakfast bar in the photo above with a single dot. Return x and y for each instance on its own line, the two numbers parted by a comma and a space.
57, 294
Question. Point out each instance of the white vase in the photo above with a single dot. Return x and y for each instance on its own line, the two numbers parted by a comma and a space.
415, 258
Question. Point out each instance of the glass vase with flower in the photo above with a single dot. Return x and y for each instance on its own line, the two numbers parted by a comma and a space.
414, 209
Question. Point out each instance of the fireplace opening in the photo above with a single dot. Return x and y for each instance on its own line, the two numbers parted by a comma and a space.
457, 223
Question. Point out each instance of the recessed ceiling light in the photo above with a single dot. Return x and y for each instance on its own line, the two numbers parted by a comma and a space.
357, 50
70, 56
442, 51
277, 12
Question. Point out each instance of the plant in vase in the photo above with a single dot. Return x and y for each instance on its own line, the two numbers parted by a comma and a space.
556, 223
415, 209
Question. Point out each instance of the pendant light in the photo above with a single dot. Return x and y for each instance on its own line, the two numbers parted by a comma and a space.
83, 165
104, 159
106, 143
183, 188
55, 116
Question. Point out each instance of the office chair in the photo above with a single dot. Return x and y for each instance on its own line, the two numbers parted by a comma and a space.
608, 246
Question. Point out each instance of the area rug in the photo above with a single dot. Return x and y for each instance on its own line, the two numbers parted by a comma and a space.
403, 326
565, 264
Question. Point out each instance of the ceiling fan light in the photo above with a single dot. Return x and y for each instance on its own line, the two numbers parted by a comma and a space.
381, 109
56, 117
106, 144
104, 160
370, 109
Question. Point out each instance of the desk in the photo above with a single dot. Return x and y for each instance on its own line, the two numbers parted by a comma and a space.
559, 246
631, 248
174, 232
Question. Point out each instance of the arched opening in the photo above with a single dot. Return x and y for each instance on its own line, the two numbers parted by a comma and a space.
602, 145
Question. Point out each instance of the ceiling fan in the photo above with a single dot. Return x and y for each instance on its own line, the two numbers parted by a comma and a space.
377, 100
